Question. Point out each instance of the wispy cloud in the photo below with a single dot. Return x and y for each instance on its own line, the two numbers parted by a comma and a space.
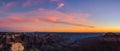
60, 5
10, 4
31, 2
54, 0
54, 20
38, 17
27, 3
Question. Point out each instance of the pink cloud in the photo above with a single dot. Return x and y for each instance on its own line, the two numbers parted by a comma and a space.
42, 13
84, 18
54, 20
10, 4
36, 20
80, 16
51, 19
58, 1
40, 17
59, 15
27, 3
31, 2
54, 0
16, 19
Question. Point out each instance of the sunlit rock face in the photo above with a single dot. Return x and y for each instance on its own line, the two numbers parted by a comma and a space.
110, 37
17, 47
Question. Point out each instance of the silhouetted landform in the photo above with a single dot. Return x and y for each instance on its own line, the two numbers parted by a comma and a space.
10, 41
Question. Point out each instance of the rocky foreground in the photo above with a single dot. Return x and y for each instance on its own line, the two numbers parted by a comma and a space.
50, 42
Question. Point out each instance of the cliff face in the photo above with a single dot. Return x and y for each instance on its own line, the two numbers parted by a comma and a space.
52, 42
17, 47
108, 42
49, 42
110, 37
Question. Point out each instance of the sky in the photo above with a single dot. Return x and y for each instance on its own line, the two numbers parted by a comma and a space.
59, 15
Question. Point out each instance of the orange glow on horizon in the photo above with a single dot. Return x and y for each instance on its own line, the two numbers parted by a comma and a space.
69, 29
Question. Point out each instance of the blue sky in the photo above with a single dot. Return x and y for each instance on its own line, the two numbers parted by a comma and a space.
62, 15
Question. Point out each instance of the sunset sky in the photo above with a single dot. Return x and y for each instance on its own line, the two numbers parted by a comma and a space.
60, 15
